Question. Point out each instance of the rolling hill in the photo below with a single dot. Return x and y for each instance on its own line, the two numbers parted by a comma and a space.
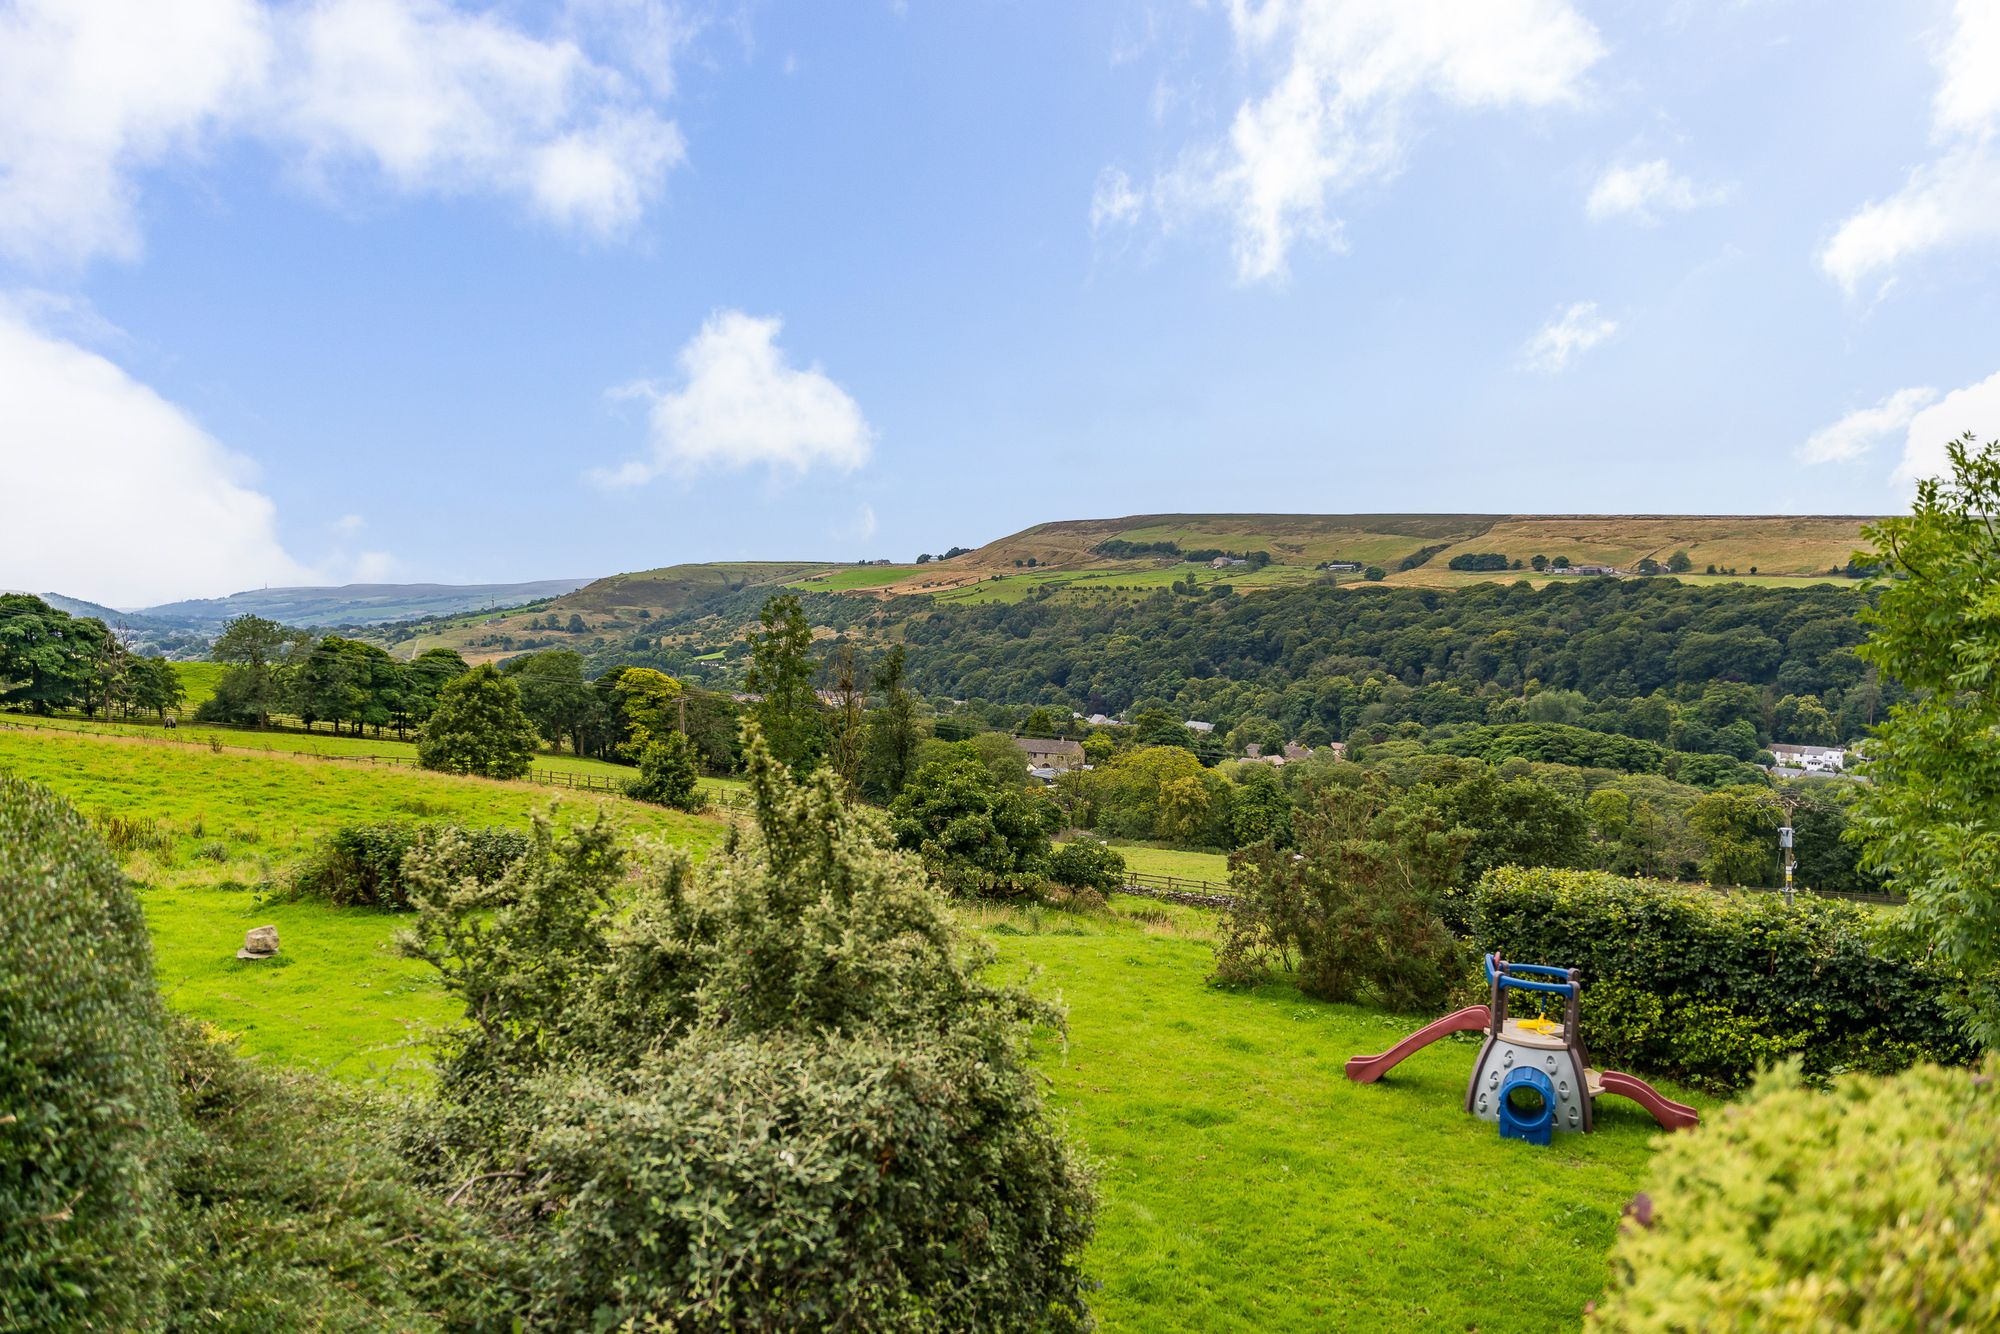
354, 604
1070, 558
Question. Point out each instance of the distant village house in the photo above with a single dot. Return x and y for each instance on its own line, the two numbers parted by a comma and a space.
1055, 756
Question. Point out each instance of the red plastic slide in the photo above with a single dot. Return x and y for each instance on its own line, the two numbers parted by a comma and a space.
1673, 1115
1368, 1069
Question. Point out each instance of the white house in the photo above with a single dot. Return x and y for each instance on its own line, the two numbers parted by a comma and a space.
1813, 759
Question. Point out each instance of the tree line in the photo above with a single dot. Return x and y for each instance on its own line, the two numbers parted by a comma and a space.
51, 661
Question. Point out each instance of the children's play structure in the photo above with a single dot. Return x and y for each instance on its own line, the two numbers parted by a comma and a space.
1533, 1076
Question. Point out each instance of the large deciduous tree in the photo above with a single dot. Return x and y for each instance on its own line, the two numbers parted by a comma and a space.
478, 728
1931, 816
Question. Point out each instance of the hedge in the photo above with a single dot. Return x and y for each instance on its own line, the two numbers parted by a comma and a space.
362, 865
1867, 1208
87, 1113
1709, 987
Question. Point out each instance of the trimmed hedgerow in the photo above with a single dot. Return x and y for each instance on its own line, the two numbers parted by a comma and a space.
362, 865
1867, 1208
87, 1119
1710, 987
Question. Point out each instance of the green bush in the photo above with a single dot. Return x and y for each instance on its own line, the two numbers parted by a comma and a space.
667, 774
1087, 863
779, 1093
293, 1213
1707, 987
1869, 1208
87, 1119
361, 866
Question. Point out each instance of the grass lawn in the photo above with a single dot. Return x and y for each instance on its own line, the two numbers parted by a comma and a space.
1247, 1185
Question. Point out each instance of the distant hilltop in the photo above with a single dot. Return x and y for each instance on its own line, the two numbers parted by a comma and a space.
1147, 553
348, 604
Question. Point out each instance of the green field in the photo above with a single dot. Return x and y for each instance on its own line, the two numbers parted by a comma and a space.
859, 576
291, 741
1154, 859
1245, 1185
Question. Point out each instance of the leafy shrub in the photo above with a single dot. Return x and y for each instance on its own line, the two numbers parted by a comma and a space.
361, 866
974, 834
779, 1095
87, 1126
667, 774
1706, 987
1087, 863
292, 1211
1477, 560
1358, 903
1869, 1208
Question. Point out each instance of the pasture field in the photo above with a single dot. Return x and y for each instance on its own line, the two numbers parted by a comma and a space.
1156, 859
198, 679
858, 576
206, 831
280, 740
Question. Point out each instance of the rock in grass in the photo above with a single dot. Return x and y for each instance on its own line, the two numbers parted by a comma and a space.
259, 942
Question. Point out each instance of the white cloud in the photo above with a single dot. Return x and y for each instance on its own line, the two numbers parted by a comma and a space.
152, 507
1115, 202
1861, 430
1343, 78
1954, 199
1644, 190
347, 525
1975, 408
91, 93
740, 404
1557, 343
413, 94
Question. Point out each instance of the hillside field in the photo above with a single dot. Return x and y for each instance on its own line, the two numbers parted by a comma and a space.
1229, 1146
1784, 550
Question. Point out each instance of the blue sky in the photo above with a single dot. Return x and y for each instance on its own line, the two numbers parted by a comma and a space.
366, 289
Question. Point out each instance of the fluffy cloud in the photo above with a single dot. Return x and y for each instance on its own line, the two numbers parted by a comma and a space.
1861, 430
1955, 198
1975, 408
740, 404
1342, 79
1557, 343
1116, 202
413, 94
1644, 190
136, 503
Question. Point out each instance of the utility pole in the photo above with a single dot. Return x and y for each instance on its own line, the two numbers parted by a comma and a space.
1785, 845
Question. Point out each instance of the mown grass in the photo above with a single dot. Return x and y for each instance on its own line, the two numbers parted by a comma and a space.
1245, 1184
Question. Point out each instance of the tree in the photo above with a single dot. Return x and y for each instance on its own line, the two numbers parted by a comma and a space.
321, 685
975, 835
555, 695
891, 746
1356, 905
1374, 574
428, 672
1803, 721
667, 774
47, 657
1740, 828
1518, 823
1538, 563
1931, 814
781, 671
846, 731
156, 686
478, 728
1680, 562
257, 651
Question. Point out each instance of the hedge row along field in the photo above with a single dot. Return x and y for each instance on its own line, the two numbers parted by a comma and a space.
1710, 987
